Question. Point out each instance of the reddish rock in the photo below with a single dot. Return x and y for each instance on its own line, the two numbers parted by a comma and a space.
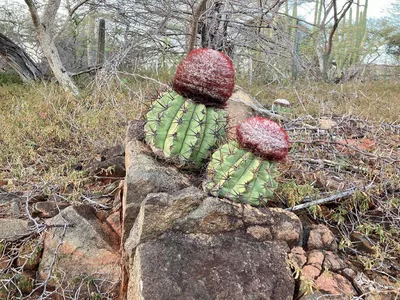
316, 258
85, 247
321, 238
114, 220
334, 284
310, 272
298, 257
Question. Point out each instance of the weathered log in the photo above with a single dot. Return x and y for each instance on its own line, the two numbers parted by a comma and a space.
19, 60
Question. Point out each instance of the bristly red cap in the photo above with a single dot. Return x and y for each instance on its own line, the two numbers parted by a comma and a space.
263, 137
206, 76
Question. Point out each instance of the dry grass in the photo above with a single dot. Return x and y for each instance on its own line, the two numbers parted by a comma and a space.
45, 131
373, 100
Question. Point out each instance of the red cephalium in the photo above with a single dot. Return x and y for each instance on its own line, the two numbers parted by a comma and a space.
263, 137
206, 76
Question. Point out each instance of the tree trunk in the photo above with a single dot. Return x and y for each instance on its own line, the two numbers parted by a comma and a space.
19, 60
91, 40
101, 42
192, 33
43, 27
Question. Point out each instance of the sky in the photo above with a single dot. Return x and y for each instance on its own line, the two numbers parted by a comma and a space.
376, 8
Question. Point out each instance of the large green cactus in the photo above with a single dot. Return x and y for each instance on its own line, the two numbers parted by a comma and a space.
184, 131
240, 175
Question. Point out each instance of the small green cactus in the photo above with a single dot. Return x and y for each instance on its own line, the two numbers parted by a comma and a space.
182, 130
241, 176
245, 171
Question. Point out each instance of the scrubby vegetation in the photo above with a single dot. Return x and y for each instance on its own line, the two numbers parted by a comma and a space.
46, 133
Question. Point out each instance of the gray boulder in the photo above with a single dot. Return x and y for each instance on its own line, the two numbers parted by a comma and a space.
145, 175
13, 229
198, 266
159, 212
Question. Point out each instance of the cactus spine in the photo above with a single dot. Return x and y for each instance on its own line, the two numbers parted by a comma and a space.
184, 131
240, 170
240, 175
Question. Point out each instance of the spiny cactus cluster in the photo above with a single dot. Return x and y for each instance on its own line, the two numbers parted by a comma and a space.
187, 124
185, 131
245, 176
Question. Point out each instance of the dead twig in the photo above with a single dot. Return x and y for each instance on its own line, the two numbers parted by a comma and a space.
340, 195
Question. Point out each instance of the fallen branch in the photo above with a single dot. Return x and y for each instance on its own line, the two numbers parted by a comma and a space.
87, 70
340, 195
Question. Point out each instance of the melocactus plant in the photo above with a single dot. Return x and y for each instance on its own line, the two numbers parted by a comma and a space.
205, 76
240, 171
182, 130
185, 125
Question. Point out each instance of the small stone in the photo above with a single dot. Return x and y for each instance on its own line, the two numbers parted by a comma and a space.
113, 167
117, 150
281, 106
326, 123
298, 257
310, 272
361, 242
288, 232
260, 233
13, 229
349, 273
333, 262
321, 238
334, 284
282, 102
48, 209
316, 258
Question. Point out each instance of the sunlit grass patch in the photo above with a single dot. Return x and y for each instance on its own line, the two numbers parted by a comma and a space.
372, 100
